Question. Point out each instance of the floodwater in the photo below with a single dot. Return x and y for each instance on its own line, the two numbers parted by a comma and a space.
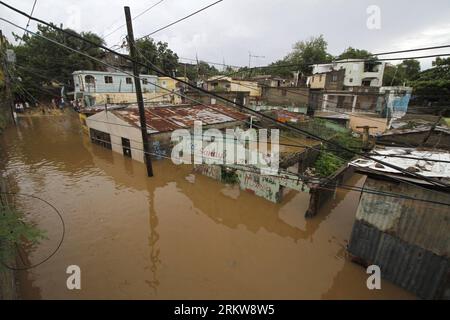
174, 236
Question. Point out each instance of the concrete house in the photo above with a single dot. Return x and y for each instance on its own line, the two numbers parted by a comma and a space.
100, 87
119, 129
221, 83
357, 73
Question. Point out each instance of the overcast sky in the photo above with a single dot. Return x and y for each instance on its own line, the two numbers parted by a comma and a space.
269, 28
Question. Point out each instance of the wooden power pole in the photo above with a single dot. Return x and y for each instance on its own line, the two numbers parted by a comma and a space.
140, 99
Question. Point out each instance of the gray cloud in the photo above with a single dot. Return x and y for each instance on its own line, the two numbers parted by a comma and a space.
232, 28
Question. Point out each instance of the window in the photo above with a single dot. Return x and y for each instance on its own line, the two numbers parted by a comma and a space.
334, 78
89, 79
366, 83
144, 81
320, 78
350, 80
108, 79
129, 80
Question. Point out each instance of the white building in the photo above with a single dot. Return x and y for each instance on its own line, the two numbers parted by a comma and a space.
357, 73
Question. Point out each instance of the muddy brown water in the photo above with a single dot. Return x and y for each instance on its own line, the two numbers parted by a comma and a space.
177, 235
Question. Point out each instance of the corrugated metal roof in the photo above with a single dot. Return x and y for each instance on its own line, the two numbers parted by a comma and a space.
420, 128
407, 265
423, 167
421, 223
163, 119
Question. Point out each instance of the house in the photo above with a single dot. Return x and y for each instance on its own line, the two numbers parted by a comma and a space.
239, 97
417, 133
358, 73
225, 84
286, 96
171, 84
272, 81
331, 80
402, 223
101, 87
119, 130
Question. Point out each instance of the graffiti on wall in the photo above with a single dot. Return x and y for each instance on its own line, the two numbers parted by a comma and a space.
211, 171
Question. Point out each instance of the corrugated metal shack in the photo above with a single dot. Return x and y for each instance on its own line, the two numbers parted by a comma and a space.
408, 239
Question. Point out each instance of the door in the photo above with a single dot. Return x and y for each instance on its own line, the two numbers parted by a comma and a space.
126, 147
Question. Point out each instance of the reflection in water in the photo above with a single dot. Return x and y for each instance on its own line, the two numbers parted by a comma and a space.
177, 235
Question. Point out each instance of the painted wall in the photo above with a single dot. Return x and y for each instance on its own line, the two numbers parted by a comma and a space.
117, 128
397, 100
119, 82
91, 99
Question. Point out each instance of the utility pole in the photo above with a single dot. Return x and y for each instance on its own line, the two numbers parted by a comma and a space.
140, 99
8, 90
366, 136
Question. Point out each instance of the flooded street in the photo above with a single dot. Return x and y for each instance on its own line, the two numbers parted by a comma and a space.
177, 235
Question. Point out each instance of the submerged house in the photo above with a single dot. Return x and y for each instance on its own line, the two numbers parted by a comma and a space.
119, 130
402, 224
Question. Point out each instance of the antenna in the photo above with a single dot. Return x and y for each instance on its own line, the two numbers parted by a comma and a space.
250, 56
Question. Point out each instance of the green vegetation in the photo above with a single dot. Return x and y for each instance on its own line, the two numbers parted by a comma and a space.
327, 163
303, 53
348, 141
15, 232
229, 176
331, 157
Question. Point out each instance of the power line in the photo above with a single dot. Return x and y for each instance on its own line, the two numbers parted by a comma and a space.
411, 50
181, 95
288, 126
300, 178
137, 16
29, 19
179, 20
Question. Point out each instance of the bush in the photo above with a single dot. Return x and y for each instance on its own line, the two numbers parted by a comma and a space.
327, 163
15, 232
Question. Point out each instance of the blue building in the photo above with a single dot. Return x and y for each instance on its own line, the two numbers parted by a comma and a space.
94, 87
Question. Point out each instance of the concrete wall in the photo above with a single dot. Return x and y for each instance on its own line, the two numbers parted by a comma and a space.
356, 121
322, 193
119, 82
117, 128
91, 99
242, 98
286, 96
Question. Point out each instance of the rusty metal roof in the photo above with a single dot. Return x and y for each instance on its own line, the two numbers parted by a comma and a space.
164, 119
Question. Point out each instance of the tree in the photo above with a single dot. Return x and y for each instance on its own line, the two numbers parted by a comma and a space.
156, 54
42, 64
433, 85
411, 68
439, 62
201, 70
351, 53
308, 52
304, 53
